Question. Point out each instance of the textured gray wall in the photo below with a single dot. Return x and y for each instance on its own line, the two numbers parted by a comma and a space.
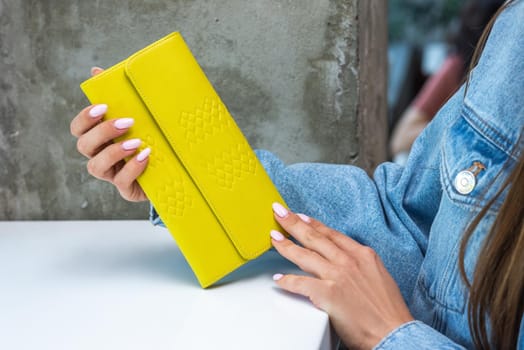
303, 78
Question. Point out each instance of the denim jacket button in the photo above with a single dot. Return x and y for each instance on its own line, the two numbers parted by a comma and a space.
465, 182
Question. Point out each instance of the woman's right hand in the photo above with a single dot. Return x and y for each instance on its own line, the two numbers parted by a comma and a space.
106, 158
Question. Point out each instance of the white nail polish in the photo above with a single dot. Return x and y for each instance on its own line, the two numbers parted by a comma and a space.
97, 111
280, 210
304, 218
131, 144
277, 276
143, 155
124, 123
277, 236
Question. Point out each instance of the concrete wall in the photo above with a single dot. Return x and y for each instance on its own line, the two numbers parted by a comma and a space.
303, 78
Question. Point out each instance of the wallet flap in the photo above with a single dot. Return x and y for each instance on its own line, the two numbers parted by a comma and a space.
207, 141
185, 213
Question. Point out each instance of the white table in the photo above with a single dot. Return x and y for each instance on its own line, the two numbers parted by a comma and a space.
125, 285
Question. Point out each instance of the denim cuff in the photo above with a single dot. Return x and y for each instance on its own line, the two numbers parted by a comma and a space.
416, 335
154, 218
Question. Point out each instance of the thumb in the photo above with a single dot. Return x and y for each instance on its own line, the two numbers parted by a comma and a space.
96, 70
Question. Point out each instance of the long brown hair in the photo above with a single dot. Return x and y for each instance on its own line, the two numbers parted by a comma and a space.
496, 293
497, 290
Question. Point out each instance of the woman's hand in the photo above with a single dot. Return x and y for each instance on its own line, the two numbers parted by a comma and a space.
349, 280
106, 158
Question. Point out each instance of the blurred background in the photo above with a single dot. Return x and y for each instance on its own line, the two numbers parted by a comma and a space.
430, 48
418, 32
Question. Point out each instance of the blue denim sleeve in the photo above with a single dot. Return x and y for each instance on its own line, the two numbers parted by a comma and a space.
391, 212
416, 335
520, 342
154, 217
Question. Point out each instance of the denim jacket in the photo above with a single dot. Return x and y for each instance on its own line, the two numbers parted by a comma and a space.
414, 216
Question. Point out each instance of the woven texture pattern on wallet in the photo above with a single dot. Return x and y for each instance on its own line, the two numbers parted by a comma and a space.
203, 178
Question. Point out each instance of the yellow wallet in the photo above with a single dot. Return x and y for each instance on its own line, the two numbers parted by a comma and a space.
203, 178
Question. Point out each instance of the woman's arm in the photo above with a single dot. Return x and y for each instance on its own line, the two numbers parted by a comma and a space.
349, 282
391, 212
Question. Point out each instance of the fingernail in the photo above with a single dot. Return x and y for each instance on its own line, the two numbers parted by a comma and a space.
280, 210
94, 69
131, 144
304, 218
277, 236
143, 155
277, 276
124, 123
97, 111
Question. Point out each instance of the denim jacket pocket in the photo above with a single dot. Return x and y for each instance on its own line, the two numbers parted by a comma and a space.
469, 155
472, 166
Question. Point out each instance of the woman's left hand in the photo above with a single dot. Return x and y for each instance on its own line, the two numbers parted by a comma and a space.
349, 280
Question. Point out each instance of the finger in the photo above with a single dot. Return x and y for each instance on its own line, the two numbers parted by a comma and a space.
96, 70
306, 259
305, 233
90, 143
87, 119
101, 165
309, 287
344, 242
89, 116
125, 179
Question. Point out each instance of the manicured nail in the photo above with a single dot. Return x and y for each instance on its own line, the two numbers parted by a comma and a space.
131, 144
143, 155
304, 218
280, 210
97, 111
277, 276
277, 236
124, 123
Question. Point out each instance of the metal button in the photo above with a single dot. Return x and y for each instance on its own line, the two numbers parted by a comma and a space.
465, 182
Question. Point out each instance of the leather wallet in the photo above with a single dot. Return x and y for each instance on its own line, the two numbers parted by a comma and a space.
203, 178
